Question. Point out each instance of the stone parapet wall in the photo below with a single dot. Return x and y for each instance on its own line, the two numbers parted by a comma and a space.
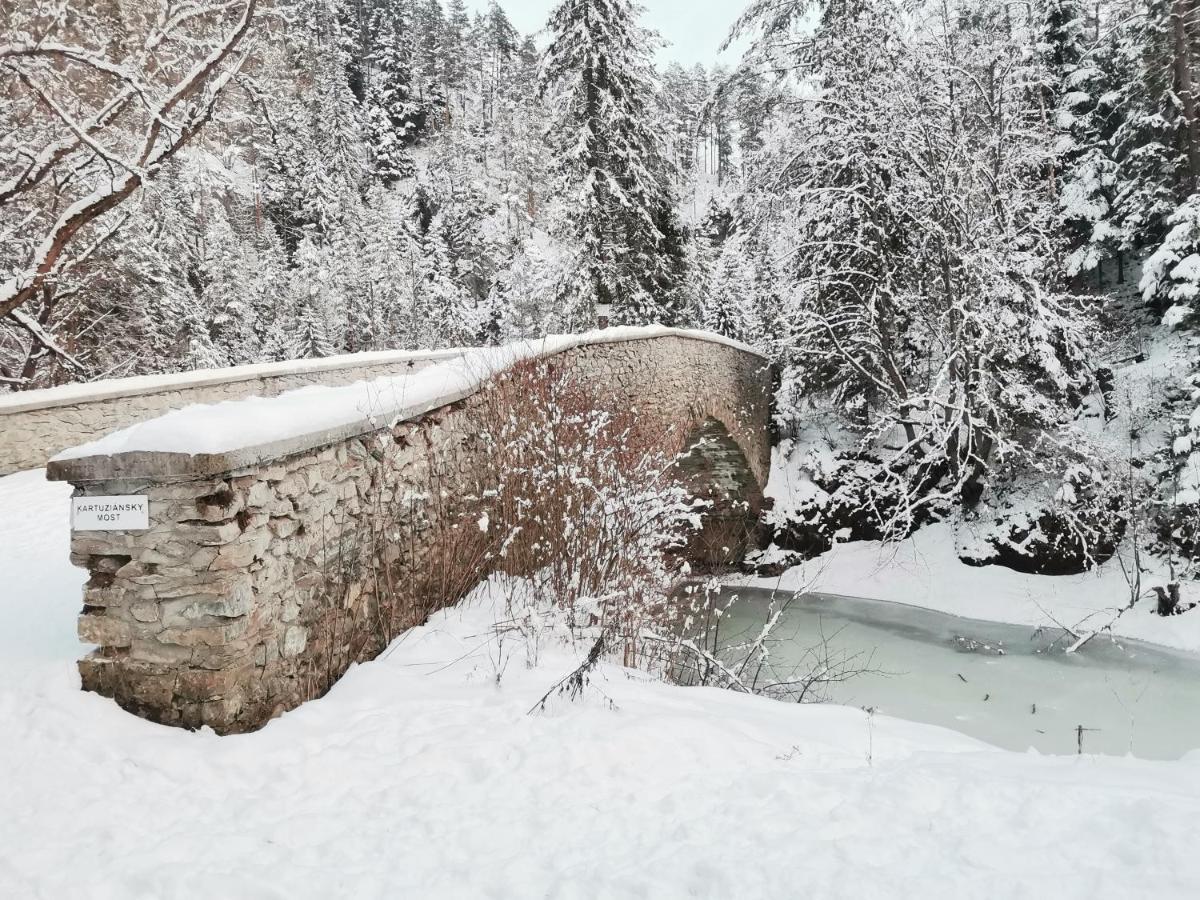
35, 425
255, 588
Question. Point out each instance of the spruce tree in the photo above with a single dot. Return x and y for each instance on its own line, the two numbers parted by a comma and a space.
752, 107
615, 173
454, 55
394, 112
681, 117
1091, 111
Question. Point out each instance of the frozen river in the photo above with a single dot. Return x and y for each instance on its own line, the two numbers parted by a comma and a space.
1009, 685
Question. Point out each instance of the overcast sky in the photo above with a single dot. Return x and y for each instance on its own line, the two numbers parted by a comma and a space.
694, 28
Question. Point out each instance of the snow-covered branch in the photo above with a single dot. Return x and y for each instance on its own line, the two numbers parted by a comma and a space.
62, 179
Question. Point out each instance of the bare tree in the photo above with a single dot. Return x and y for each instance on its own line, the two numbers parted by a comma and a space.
99, 97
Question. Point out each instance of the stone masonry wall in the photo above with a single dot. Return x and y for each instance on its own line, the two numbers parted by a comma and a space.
35, 425
253, 590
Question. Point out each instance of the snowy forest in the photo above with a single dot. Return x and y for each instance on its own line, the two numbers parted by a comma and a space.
950, 223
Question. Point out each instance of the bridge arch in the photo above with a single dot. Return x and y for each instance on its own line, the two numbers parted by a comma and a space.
278, 555
717, 470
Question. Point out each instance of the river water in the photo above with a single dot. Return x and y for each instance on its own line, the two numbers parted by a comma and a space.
1009, 685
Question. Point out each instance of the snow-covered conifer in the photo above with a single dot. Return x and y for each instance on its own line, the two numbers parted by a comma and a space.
616, 175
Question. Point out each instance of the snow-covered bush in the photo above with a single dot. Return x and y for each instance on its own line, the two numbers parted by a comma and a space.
847, 495
589, 524
1075, 530
582, 503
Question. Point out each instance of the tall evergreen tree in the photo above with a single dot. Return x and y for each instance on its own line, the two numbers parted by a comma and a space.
1090, 110
455, 66
1158, 145
752, 107
615, 172
394, 111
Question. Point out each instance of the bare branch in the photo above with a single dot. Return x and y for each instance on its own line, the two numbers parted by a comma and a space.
203, 84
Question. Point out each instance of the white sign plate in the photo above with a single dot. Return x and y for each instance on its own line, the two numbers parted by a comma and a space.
127, 513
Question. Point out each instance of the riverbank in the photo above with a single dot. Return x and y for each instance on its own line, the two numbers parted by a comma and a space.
925, 570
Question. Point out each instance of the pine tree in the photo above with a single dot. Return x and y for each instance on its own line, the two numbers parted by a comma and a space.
728, 302
429, 33
1060, 50
454, 55
315, 162
309, 281
394, 112
682, 117
698, 92
1171, 275
615, 172
502, 38
1090, 112
751, 109
719, 119
1158, 143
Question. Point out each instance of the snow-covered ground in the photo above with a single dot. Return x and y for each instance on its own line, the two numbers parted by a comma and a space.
419, 775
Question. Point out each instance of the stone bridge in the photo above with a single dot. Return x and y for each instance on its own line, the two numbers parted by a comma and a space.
289, 537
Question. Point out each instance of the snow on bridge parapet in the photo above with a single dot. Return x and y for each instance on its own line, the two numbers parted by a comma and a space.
35, 425
213, 438
292, 536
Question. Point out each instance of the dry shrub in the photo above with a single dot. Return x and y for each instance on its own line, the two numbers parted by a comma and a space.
582, 501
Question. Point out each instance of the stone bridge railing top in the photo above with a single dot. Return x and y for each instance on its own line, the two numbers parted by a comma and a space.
221, 437
140, 385
35, 425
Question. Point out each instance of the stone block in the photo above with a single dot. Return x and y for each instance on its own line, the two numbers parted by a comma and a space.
291, 486
295, 639
105, 630
113, 595
151, 691
190, 611
260, 494
152, 557
96, 673
213, 584
88, 543
283, 527
144, 611
201, 685
280, 506
206, 535
207, 636
235, 653
131, 569
149, 650
219, 506
221, 714
236, 556
202, 558
108, 565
